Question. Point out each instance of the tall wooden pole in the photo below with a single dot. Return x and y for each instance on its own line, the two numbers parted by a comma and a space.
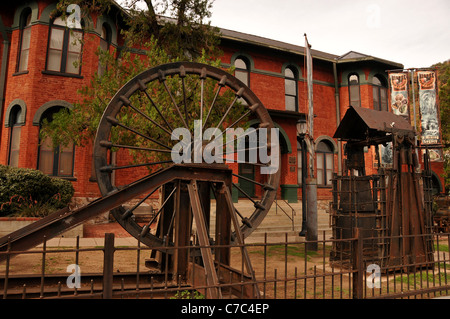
311, 182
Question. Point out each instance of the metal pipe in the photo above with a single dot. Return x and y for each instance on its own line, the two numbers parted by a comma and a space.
304, 173
311, 227
338, 115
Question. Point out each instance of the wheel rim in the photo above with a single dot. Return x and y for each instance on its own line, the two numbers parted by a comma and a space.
134, 120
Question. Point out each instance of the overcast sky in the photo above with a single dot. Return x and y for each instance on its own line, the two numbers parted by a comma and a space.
415, 33
412, 32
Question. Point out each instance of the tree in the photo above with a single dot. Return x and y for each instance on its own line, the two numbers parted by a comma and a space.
177, 25
444, 103
444, 99
150, 39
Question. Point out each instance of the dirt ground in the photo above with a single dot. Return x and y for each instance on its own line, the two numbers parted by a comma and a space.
280, 268
276, 265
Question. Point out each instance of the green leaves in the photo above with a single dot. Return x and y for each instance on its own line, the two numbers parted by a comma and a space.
444, 104
31, 191
178, 26
444, 98
182, 36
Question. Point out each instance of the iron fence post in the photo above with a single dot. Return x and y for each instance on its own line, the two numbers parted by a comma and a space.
108, 262
357, 265
8, 258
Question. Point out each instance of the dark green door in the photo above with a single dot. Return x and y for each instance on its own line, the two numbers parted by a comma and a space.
247, 170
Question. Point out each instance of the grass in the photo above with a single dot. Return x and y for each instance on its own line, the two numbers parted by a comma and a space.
441, 248
279, 250
422, 277
292, 251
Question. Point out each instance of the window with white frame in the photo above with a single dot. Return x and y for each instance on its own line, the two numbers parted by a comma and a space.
64, 48
380, 94
14, 136
24, 42
353, 90
55, 160
325, 163
105, 42
242, 70
290, 89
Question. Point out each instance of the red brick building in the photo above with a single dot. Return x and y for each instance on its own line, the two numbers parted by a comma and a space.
38, 77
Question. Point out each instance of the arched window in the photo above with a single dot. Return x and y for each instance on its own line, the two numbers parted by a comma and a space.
55, 160
325, 163
290, 89
380, 94
353, 90
242, 70
14, 136
64, 48
24, 40
105, 42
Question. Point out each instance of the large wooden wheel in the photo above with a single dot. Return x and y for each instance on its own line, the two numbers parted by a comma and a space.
138, 122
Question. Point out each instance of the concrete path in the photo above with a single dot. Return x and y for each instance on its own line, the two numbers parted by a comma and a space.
283, 218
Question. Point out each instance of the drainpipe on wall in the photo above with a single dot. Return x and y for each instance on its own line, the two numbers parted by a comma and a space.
3, 68
338, 114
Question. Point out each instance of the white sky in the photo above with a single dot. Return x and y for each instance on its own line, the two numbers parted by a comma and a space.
415, 33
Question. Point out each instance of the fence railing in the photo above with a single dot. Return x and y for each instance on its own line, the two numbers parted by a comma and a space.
292, 215
282, 270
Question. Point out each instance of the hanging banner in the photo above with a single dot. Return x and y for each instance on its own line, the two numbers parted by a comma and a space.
398, 83
386, 155
428, 107
435, 155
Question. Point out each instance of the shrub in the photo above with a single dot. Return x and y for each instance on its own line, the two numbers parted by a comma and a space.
29, 192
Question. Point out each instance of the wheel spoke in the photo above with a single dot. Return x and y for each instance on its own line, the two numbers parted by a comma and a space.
245, 149
238, 120
255, 203
146, 228
108, 144
232, 125
115, 122
244, 220
143, 88
183, 84
162, 79
129, 212
244, 162
128, 103
202, 92
112, 168
265, 186
241, 136
237, 96
162, 99
221, 85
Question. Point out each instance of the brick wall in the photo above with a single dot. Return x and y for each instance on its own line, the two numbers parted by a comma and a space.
36, 89
266, 80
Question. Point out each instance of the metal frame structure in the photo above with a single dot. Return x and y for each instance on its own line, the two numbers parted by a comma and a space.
186, 188
392, 207
286, 270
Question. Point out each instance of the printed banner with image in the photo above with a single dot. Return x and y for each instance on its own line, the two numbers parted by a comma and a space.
435, 155
386, 155
399, 93
429, 111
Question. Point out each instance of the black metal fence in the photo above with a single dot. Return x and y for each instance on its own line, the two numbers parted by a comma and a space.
282, 270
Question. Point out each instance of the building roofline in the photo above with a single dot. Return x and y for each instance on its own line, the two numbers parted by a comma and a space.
242, 37
274, 44
365, 57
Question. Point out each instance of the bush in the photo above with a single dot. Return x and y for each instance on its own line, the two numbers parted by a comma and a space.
31, 193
